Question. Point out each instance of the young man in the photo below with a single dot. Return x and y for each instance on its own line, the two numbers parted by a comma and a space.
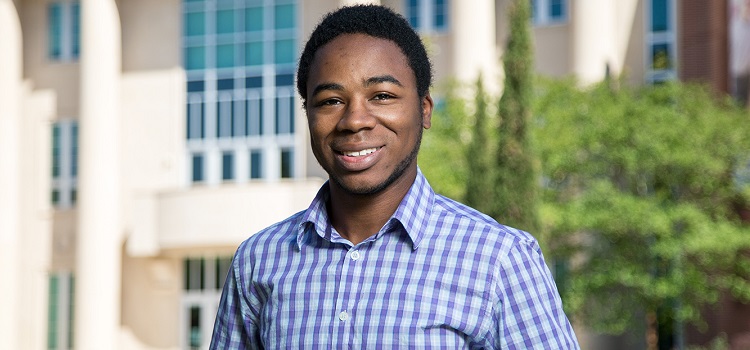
379, 260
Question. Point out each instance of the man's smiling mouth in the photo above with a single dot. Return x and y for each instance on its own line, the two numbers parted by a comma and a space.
361, 153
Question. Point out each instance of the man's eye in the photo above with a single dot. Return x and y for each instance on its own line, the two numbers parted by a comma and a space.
382, 96
330, 102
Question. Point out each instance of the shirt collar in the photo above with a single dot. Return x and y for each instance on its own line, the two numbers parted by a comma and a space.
413, 213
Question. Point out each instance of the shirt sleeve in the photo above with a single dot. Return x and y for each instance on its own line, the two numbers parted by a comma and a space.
529, 314
235, 326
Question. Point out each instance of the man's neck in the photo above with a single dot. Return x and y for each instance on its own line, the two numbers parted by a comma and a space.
357, 217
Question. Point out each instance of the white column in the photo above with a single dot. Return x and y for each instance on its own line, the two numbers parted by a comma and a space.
474, 44
10, 170
594, 39
99, 241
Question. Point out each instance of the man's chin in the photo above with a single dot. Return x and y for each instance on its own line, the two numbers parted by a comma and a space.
360, 188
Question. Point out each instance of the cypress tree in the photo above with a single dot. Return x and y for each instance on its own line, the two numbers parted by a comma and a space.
479, 183
516, 181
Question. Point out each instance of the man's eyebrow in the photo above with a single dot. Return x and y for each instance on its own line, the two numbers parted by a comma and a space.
382, 79
327, 86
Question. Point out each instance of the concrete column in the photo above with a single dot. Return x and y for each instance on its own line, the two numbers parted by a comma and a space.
99, 241
10, 171
474, 46
594, 39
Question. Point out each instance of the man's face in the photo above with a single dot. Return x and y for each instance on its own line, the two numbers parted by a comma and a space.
364, 113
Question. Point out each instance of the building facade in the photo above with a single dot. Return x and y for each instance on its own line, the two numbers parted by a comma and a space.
141, 141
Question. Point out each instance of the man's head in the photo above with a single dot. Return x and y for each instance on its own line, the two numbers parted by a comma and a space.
375, 21
366, 105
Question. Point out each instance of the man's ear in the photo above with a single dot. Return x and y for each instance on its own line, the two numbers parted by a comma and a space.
427, 106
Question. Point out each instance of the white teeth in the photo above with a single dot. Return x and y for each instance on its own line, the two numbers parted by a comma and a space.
363, 152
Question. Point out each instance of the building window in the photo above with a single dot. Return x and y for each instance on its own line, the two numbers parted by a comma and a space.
227, 166
549, 12
60, 311
63, 30
240, 59
256, 164
428, 15
203, 279
660, 41
287, 163
64, 163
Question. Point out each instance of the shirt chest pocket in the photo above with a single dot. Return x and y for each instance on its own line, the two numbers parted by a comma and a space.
441, 312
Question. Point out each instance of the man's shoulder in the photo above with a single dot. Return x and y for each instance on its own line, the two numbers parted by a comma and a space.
474, 222
281, 233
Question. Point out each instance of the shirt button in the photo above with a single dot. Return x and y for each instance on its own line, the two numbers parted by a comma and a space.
343, 316
355, 255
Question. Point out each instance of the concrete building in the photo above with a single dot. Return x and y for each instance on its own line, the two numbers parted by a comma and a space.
141, 141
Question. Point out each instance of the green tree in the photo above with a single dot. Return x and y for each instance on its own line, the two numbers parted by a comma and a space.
442, 155
639, 189
480, 176
516, 180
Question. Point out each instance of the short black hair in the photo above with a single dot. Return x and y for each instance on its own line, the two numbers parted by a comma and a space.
373, 20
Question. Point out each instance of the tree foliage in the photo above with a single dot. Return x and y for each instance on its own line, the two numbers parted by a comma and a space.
516, 180
639, 187
442, 156
479, 155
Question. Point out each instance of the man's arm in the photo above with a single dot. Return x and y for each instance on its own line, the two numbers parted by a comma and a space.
234, 327
530, 314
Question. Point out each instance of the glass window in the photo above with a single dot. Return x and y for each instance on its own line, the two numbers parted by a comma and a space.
285, 115
222, 269
545, 12
284, 51
227, 166
203, 280
195, 58
557, 9
412, 13
284, 17
441, 14
197, 167
254, 53
256, 164
60, 318
661, 56
659, 15
224, 56
254, 41
196, 120
64, 162
74, 150
195, 328
254, 116
76, 29
56, 146
428, 15
287, 163
195, 24
254, 19
224, 21
224, 117
54, 36
52, 313
63, 30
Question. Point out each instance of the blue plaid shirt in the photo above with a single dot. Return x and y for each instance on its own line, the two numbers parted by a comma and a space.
437, 275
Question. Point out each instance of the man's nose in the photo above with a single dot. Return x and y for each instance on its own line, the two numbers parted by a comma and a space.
357, 116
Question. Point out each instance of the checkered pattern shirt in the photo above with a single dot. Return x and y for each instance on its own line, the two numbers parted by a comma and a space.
438, 275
